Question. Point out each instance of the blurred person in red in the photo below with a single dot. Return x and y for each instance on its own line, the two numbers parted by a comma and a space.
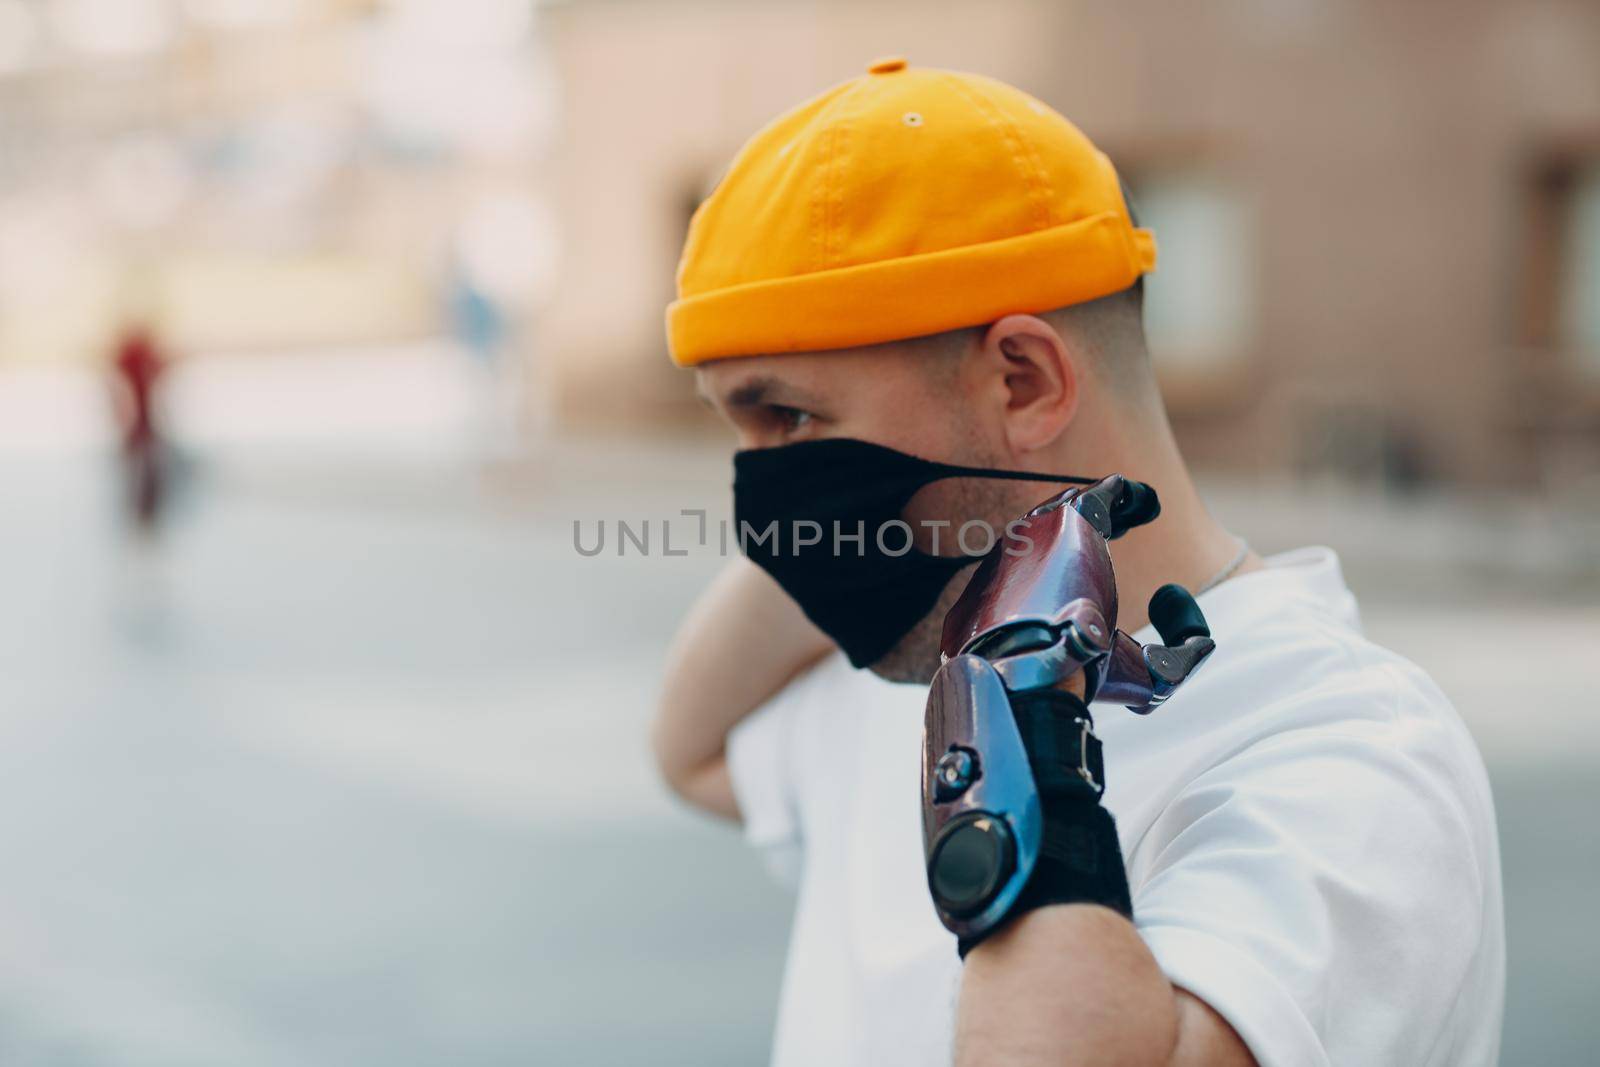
138, 368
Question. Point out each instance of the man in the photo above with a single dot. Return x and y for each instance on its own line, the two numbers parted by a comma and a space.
941, 266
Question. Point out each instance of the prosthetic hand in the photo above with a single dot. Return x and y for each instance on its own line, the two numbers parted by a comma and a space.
1012, 772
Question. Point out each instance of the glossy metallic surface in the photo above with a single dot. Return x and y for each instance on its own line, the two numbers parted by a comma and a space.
1052, 574
1047, 559
968, 708
1073, 650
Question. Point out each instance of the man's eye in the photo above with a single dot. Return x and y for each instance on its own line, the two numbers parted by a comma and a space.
791, 420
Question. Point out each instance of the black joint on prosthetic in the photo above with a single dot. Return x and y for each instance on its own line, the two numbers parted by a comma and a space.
1136, 505
1116, 505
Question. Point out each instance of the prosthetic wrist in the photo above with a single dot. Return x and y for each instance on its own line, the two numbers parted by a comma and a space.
1012, 772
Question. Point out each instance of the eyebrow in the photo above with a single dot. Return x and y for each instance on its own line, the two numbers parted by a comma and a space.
764, 390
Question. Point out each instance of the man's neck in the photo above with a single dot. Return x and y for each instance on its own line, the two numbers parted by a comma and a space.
1186, 544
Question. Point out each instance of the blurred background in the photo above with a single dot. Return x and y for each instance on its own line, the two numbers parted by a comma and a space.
322, 323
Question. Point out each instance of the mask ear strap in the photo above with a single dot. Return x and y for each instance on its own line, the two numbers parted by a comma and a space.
951, 470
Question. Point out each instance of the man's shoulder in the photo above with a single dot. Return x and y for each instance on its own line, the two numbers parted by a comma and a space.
1302, 676
1292, 639
1325, 705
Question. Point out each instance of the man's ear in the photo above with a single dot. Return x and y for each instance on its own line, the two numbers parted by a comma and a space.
1040, 380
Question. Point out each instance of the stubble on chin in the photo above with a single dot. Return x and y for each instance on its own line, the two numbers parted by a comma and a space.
914, 658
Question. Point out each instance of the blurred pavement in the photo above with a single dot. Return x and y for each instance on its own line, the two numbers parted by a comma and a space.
352, 769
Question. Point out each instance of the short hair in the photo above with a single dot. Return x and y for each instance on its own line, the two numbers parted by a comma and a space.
1109, 330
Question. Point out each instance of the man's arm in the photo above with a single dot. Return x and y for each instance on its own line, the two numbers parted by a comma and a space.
740, 644
1075, 984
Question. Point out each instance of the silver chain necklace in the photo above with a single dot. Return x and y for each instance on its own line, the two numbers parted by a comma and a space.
1227, 572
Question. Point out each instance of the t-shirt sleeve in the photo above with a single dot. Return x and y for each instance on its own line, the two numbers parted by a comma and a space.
1321, 893
761, 765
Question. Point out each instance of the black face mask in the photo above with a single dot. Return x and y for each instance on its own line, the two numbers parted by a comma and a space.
824, 518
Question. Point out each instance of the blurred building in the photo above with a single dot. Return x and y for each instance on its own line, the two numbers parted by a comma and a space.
266, 175
1379, 222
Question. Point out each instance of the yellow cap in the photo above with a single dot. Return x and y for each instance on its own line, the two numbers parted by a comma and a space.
905, 202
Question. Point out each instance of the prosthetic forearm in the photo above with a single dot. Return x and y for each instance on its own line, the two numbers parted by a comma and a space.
1012, 772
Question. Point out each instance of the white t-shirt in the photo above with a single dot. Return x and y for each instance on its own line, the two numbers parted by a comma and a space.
1307, 827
